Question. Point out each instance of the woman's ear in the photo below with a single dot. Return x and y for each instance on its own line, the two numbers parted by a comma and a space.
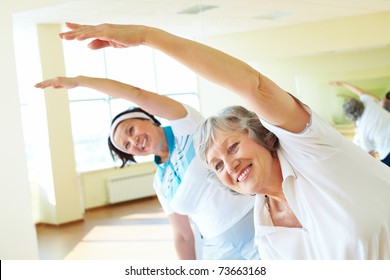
270, 139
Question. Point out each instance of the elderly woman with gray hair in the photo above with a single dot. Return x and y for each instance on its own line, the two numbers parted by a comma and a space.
372, 122
318, 196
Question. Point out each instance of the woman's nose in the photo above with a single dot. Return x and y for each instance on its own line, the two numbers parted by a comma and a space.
133, 140
232, 166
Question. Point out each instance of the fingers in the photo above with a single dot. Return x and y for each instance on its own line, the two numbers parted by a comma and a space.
72, 26
102, 35
43, 84
49, 83
78, 32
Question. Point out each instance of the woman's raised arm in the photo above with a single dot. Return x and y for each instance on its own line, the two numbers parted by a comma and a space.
155, 104
266, 98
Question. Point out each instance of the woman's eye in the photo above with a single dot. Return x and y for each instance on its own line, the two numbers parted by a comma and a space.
233, 147
218, 166
131, 131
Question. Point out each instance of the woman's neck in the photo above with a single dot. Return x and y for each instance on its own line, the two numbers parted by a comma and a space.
278, 206
163, 151
275, 189
164, 156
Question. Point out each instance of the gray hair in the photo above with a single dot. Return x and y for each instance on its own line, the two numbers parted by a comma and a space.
353, 109
227, 120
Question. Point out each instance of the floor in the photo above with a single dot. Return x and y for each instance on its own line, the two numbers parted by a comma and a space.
136, 230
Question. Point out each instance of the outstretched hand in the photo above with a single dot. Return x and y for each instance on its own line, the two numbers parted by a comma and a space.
105, 35
58, 82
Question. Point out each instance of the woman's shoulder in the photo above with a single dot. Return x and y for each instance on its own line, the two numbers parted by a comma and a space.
188, 124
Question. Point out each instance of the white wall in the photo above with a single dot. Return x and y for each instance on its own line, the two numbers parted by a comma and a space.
17, 235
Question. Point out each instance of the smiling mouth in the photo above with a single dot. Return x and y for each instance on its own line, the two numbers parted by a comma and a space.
244, 174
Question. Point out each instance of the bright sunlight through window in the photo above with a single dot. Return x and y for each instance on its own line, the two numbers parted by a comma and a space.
92, 112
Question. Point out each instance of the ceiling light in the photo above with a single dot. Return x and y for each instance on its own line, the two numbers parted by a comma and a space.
275, 15
197, 9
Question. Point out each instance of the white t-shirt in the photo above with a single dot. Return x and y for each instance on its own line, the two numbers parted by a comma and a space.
187, 191
339, 193
373, 127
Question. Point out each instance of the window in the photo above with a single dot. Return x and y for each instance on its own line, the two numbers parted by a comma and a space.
92, 112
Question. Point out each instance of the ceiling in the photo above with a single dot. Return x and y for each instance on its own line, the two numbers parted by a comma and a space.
202, 18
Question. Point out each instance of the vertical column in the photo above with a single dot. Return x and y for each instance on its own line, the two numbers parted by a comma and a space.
66, 205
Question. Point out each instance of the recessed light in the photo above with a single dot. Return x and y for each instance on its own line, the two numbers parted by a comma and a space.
197, 9
274, 15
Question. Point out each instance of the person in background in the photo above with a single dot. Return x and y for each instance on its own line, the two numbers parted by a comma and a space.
180, 182
318, 196
384, 102
372, 122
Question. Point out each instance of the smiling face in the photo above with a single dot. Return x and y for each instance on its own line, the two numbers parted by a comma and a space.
138, 137
241, 163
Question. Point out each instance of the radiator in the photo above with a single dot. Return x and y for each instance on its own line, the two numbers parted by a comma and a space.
130, 186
